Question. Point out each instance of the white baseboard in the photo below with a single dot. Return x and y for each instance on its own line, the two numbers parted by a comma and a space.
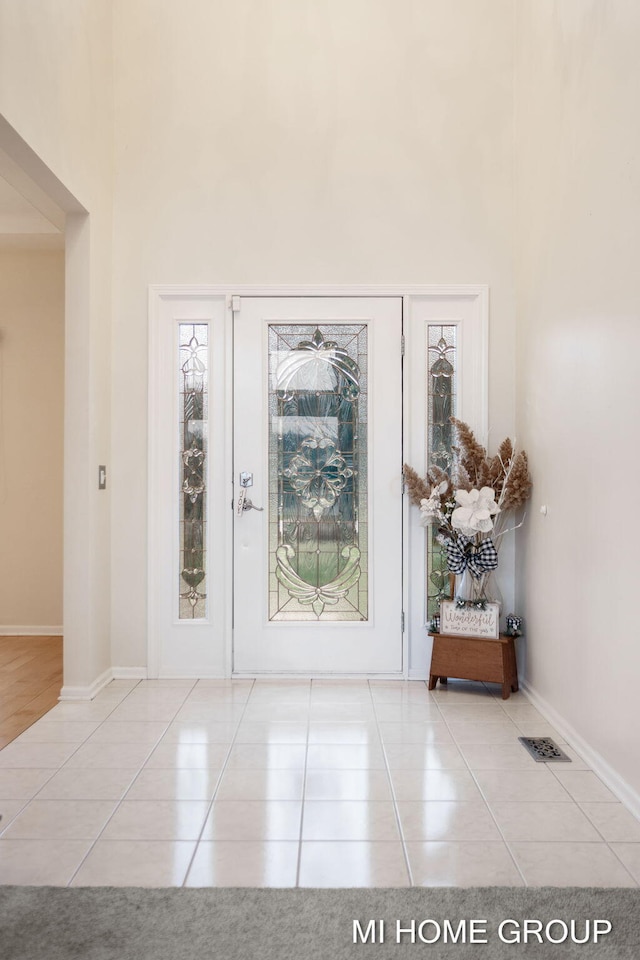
39, 631
129, 673
88, 692
113, 673
610, 777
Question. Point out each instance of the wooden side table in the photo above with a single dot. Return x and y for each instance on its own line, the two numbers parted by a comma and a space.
474, 658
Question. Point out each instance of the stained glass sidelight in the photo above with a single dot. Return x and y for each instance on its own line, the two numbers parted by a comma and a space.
193, 420
441, 405
318, 518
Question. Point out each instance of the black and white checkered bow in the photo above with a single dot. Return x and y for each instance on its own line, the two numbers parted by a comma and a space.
461, 553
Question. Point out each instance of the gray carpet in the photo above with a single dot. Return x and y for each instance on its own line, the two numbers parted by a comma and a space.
54, 923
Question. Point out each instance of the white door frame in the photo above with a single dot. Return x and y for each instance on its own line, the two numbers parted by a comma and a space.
466, 304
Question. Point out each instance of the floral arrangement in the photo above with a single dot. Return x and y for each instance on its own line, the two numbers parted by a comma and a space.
470, 506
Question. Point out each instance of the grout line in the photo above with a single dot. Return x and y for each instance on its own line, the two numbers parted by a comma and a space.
394, 800
119, 802
488, 806
56, 770
304, 787
223, 769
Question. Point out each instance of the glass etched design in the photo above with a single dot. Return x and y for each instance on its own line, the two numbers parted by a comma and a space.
441, 405
318, 520
193, 418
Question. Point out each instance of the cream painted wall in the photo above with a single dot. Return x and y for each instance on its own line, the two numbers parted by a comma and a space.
578, 153
31, 436
297, 141
56, 93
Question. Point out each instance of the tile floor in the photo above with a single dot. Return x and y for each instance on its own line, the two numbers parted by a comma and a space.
308, 783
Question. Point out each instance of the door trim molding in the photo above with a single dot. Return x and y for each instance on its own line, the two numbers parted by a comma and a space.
415, 654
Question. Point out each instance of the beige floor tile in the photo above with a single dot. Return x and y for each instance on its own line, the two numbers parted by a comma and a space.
446, 820
539, 728
521, 713
8, 810
352, 864
81, 710
157, 820
497, 756
345, 757
191, 756
536, 784
218, 695
123, 687
459, 691
278, 731
93, 784
482, 710
340, 693
115, 755
61, 820
154, 697
168, 683
46, 731
210, 713
543, 821
265, 712
23, 783
42, 755
418, 756
136, 863
41, 862
583, 785
347, 785
471, 864
261, 785
349, 820
397, 691
517, 699
244, 864
215, 731
267, 756
434, 785
214, 682
577, 763
284, 688
146, 712
348, 732
570, 865
238, 820
332, 712
425, 732
180, 783
117, 731
484, 732
407, 712
613, 821
629, 854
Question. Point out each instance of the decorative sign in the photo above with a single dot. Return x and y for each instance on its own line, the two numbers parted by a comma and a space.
470, 621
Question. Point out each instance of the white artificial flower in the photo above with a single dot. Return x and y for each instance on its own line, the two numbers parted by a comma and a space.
430, 509
474, 511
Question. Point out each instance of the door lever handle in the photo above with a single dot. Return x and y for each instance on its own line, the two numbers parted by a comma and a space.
248, 505
244, 503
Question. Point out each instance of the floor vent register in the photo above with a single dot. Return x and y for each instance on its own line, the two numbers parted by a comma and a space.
544, 750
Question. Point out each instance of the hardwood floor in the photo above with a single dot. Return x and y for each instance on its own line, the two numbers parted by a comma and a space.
30, 681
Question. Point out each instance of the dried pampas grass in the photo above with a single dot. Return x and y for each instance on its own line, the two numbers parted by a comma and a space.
507, 472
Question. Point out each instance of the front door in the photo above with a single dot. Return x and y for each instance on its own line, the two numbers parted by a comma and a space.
317, 485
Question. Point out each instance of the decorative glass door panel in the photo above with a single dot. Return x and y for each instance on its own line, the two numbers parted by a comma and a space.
318, 555
318, 472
